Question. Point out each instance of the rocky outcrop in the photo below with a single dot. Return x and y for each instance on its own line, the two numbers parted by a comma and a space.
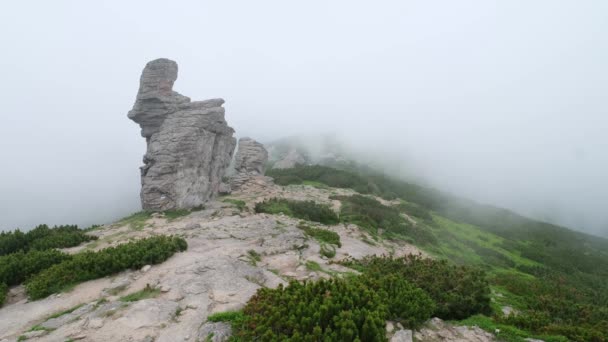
251, 157
250, 162
189, 144
290, 160
437, 330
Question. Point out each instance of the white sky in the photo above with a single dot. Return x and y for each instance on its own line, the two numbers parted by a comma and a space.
501, 101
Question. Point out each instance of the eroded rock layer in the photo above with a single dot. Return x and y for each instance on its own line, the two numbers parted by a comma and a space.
249, 162
189, 144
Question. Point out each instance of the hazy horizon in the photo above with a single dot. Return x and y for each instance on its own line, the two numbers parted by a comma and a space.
501, 102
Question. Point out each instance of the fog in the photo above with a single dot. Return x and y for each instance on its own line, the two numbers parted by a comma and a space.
504, 102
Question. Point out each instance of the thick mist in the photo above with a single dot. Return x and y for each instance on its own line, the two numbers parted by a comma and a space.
500, 101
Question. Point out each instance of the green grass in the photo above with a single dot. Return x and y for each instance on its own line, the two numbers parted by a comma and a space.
136, 221
227, 316
321, 235
468, 244
315, 184
305, 210
313, 266
254, 257
506, 333
239, 204
40, 328
65, 312
328, 251
147, 292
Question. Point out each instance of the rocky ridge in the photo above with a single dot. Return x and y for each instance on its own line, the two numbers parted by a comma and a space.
189, 144
217, 273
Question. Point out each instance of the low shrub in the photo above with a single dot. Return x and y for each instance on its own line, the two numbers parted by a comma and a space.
306, 210
322, 174
458, 291
17, 267
414, 210
372, 215
321, 235
92, 265
240, 204
3, 293
328, 251
42, 238
350, 309
226, 316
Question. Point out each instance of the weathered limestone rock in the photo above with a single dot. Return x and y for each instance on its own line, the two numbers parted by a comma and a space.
292, 159
149, 313
402, 336
437, 330
215, 332
189, 144
250, 162
56, 322
250, 157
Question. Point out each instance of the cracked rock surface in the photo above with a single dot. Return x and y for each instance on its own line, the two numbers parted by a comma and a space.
189, 144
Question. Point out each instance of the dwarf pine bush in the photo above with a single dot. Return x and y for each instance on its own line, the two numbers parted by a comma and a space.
92, 265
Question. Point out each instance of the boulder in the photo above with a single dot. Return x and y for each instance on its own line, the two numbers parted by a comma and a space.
290, 160
189, 144
402, 336
249, 163
215, 332
250, 157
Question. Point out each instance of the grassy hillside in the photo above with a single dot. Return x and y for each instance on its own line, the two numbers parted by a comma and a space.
555, 279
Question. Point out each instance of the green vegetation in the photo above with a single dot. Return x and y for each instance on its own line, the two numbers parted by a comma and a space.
137, 221
355, 308
254, 257
328, 240
328, 251
306, 210
145, 293
414, 210
177, 213
320, 175
3, 293
17, 267
65, 312
25, 254
458, 291
42, 238
321, 235
556, 277
226, 316
91, 265
372, 215
240, 205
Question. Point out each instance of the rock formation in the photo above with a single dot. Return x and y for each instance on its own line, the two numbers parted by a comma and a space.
189, 144
290, 160
250, 162
251, 157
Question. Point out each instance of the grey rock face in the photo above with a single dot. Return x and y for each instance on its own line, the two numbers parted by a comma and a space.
292, 159
250, 162
189, 144
250, 157
402, 336
215, 332
55, 323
